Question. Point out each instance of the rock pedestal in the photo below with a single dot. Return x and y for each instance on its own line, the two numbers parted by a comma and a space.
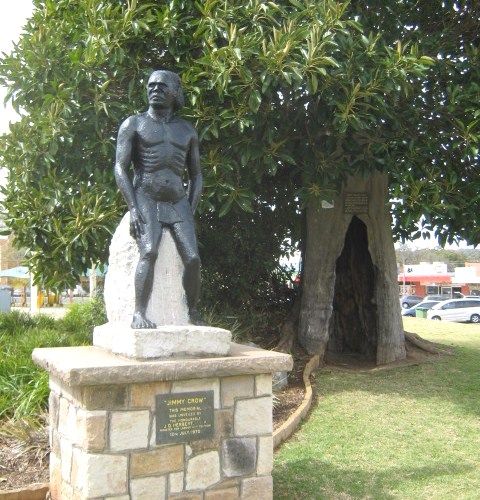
167, 305
126, 429
163, 342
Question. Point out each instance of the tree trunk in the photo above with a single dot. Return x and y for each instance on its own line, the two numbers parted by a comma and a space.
350, 291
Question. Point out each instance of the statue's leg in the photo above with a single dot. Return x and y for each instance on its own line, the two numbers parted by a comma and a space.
148, 245
186, 241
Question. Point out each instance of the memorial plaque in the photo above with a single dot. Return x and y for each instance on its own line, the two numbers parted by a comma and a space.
184, 416
356, 203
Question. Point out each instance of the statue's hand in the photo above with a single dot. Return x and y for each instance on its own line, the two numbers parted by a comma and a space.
136, 223
193, 206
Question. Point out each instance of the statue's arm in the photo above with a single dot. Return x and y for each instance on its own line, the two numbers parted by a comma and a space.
195, 183
126, 135
123, 159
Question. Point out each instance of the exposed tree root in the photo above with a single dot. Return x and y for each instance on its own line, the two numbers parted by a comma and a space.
286, 340
289, 332
412, 339
289, 328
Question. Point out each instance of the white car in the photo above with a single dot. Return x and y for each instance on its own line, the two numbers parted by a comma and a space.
456, 310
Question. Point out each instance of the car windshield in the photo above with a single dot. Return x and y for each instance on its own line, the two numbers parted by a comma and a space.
430, 303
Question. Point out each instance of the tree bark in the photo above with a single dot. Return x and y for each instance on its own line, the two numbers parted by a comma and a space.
367, 275
289, 328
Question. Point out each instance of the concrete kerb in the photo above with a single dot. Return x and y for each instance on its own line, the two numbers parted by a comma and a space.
291, 424
36, 491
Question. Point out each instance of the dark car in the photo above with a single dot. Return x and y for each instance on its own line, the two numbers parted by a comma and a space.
410, 300
426, 304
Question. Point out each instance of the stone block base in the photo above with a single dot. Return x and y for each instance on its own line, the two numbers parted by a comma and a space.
103, 425
164, 341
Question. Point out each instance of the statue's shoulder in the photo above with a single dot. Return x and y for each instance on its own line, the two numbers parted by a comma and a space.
185, 125
132, 122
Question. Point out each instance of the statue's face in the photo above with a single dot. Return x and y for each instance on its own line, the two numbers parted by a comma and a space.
160, 90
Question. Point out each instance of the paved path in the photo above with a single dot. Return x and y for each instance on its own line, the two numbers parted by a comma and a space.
54, 312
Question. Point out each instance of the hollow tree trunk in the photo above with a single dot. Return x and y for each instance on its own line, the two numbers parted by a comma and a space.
353, 327
350, 290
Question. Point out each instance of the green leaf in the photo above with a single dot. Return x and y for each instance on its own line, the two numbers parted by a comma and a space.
225, 208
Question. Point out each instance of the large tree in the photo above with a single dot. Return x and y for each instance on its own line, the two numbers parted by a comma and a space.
294, 101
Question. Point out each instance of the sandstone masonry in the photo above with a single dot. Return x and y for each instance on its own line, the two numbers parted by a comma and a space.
102, 434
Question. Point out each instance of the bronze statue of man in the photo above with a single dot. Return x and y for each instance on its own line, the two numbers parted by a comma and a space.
161, 147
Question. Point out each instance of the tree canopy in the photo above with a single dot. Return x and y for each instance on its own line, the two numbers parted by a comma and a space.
288, 97
454, 258
438, 157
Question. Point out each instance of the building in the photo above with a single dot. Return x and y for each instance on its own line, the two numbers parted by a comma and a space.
468, 276
430, 278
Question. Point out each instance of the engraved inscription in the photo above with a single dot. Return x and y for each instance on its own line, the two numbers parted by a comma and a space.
356, 203
184, 417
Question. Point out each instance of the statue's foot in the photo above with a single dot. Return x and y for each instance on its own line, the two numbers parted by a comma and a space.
140, 321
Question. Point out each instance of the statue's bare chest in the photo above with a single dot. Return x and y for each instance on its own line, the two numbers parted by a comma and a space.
162, 146
152, 134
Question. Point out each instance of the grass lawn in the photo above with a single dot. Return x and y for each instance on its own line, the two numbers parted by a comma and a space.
410, 432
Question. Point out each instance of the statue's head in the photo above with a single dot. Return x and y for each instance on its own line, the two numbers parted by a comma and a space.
164, 90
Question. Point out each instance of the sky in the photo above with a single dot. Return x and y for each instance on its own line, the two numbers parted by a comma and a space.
13, 16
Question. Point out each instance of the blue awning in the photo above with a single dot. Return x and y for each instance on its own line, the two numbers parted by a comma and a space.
21, 272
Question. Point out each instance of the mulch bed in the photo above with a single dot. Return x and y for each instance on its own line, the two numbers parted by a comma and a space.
286, 401
23, 456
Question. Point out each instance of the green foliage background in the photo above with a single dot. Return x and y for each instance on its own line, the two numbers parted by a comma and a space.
288, 97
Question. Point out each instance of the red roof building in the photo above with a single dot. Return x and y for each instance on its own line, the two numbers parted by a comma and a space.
429, 279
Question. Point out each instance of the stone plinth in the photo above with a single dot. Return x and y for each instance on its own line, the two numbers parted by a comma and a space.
163, 342
167, 305
103, 425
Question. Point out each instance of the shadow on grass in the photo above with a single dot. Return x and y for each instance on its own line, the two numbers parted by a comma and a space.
453, 378
315, 479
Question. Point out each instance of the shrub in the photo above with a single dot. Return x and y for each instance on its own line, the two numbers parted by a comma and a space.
17, 322
23, 385
82, 318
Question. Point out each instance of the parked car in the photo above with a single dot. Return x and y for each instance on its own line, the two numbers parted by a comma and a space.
410, 300
439, 298
456, 310
425, 304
